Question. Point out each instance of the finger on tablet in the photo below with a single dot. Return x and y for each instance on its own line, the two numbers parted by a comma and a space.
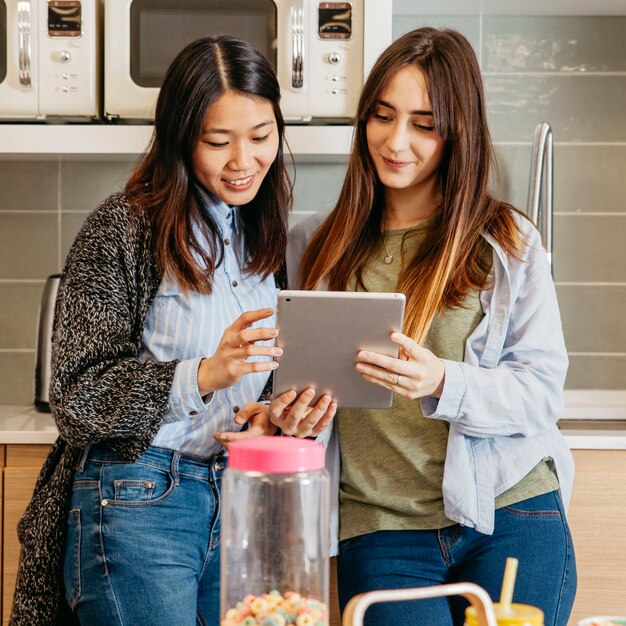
318, 411
302, 402
326, 419
280, 403
409, 346
375, 358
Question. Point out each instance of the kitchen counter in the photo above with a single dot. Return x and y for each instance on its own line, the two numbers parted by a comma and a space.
23, 424
592, 420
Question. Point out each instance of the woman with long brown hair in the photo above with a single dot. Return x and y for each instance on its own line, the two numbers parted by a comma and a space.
163, 342
468, 466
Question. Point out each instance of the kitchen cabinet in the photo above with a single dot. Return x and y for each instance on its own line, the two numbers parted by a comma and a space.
596, 515
335, 620
597, 519
21, 465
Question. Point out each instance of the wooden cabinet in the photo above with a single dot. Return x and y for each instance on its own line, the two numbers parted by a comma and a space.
597, 518
335, 620
21, 465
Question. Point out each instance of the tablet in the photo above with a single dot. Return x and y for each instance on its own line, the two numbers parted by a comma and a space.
321, 333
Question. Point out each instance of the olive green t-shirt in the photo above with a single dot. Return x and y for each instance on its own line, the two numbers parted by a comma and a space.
392, 460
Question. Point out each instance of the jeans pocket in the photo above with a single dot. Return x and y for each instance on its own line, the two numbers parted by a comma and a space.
543, 507
71, 564
135, 485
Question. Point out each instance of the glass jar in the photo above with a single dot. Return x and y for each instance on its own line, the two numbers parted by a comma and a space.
275, 534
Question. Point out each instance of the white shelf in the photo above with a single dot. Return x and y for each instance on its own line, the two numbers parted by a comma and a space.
529, 8
105, 141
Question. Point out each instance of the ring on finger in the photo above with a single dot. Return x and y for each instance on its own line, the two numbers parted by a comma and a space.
397, 379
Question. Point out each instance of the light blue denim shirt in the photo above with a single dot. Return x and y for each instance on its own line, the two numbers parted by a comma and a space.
503, 401
189, 327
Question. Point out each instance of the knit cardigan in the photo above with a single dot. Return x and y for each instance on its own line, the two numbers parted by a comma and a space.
99, 392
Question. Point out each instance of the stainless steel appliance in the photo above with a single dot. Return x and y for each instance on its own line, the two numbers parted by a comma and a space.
44, 343
321, 50
48, 59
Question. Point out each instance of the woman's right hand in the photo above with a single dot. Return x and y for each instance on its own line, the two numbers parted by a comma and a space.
238, 342
294, 415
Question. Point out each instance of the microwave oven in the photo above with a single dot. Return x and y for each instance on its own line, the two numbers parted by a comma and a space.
321, 51
48, 59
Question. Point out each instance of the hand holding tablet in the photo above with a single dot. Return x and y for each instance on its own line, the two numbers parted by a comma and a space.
321, 333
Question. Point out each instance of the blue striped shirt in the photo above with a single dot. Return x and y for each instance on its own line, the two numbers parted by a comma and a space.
189, 327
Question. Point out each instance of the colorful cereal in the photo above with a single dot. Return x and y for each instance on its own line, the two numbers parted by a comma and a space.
273, 609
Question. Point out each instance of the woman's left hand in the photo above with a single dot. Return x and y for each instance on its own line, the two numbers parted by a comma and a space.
257, 415
415, 374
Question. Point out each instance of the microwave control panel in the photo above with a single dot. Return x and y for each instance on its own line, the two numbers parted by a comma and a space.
67, 53
64, 18
334, 20
320, 59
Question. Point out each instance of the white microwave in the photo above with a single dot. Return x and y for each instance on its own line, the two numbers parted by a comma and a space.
48, 59
321, 51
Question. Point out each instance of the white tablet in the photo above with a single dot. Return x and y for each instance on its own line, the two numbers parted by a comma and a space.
321, 333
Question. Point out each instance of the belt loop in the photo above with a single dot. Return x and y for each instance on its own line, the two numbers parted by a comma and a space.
80, 467
174, 467
217, 463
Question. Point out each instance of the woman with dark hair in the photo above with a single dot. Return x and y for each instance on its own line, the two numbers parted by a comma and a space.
468, 467
164, 328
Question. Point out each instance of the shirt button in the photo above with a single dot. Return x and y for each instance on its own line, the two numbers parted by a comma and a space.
235, 409
227, 242
193, 412
234, 283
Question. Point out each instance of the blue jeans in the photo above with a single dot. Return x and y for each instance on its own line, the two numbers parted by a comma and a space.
143, 540
535, 531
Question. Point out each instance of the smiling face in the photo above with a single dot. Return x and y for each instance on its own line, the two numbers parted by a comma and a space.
401, 138
237, 146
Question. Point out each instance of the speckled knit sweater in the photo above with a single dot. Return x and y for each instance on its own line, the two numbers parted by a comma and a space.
100, 392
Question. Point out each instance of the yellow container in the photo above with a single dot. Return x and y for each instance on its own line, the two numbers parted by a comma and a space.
518, 615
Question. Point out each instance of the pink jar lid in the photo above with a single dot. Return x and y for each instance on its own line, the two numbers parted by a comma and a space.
276, 455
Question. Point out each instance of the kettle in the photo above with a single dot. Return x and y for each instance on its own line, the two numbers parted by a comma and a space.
43, 350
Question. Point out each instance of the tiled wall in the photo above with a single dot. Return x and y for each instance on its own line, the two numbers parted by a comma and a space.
569, 71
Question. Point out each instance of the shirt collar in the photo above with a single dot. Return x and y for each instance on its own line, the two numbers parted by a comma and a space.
226, 216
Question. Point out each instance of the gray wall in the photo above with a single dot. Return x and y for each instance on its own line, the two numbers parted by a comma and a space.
570, 71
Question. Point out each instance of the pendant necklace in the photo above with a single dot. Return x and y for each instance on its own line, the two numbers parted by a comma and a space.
388, 258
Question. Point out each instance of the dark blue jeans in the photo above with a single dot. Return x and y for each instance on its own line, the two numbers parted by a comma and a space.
535, 531
143, 540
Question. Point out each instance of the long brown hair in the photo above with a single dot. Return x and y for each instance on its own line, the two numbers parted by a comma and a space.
163, 182
449, 263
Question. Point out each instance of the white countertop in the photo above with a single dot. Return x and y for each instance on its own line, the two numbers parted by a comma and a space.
23, 424
595, 419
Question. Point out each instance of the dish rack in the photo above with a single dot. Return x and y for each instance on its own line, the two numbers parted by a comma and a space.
477, 597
